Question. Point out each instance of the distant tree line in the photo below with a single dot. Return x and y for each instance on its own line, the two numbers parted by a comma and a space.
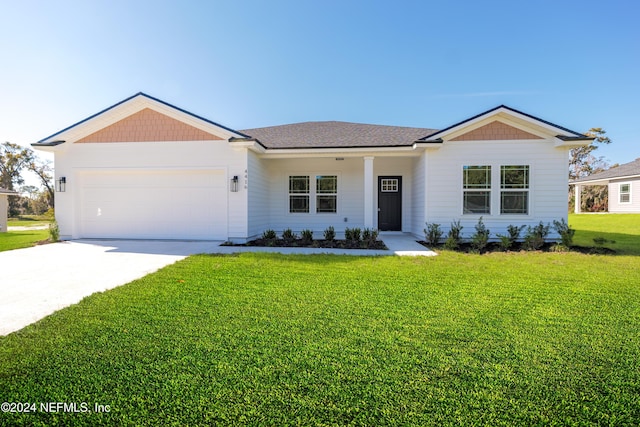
15, 161
582, 163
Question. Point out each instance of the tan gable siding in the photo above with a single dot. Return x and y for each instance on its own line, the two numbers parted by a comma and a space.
148, 125
495, 131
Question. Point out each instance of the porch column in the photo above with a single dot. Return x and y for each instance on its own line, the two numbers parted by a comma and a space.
578, 192
368, 192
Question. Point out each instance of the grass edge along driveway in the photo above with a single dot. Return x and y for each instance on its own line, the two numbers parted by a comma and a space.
500, 339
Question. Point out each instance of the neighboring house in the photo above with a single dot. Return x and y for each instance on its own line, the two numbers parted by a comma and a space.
144, 169
624, 187
4, 207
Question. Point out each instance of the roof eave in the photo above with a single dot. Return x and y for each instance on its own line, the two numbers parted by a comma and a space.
572, 141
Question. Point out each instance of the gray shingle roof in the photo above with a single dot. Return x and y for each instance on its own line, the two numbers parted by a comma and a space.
624, 170
336, 135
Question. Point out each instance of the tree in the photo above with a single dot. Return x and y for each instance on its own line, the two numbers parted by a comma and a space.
44, 171
582, 163
13, 159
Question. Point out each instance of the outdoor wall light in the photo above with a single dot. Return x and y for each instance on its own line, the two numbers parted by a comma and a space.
234, 184
61, 184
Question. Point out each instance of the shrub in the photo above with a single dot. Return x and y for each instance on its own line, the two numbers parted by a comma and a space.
369, 237
50, 213
432, 234
54, 231
566, 233
288, 235
307, 236
352, 234
535, 237
330, 234
269, 235
513, 234
454, 236
480, 238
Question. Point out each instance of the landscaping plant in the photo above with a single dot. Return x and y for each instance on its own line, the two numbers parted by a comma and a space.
432, 234
329, 234
536, 236
454, 236
480, 238
566, 233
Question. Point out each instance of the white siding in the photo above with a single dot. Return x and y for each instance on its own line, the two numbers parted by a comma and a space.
171, 156
547, 184
614, 197
258, 184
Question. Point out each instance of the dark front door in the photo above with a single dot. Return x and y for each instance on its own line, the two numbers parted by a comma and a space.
390, 203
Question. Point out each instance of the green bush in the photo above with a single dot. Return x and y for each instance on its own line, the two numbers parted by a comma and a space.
288, 235
330, 234
307, 236
54, 231
566, 233
432, 234
369, 237
352, 234
536, 236
269, 235
454, 236
480, 238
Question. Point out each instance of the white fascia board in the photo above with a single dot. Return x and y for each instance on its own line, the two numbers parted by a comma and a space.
557, 142
248, 144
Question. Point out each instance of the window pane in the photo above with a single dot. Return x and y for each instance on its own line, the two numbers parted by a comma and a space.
624, 198
326, 204
514, 202
389, 185
476, 177
514, 176
298, 184
299, 204
326, 184
477, 202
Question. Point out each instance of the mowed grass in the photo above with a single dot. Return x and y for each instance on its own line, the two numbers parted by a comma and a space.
21, 239
263, 339
623, 229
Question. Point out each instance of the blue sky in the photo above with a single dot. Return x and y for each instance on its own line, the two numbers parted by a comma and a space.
249, 64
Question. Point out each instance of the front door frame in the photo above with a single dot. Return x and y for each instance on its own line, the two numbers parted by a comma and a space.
396, 216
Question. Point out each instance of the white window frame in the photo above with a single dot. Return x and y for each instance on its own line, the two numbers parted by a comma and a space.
620, 193
487, 189
526, 188
389, 185
313, 193
291, 194
319, 194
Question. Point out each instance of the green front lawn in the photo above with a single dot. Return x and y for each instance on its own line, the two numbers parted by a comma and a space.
259, 339
21, 239
624, 229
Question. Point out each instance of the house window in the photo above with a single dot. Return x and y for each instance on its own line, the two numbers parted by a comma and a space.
299, 194
625, 193
326, 193
514, 189
389, 185
476, 194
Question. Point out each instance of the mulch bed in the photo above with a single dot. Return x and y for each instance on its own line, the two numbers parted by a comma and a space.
518, 247
300, 243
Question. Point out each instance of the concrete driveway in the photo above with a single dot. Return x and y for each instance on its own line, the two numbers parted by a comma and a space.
35, 282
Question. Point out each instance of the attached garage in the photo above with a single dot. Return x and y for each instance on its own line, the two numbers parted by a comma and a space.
153, 204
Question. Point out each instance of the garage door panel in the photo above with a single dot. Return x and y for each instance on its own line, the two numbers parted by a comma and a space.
161, 205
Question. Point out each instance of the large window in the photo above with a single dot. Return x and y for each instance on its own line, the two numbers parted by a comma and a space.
303, 193
514, 189
299, 194
476, 194
326, 193
625, 192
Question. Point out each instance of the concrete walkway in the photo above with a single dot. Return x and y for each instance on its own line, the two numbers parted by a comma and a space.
37, 281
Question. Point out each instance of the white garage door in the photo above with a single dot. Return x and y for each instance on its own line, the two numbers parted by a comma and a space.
154, 205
